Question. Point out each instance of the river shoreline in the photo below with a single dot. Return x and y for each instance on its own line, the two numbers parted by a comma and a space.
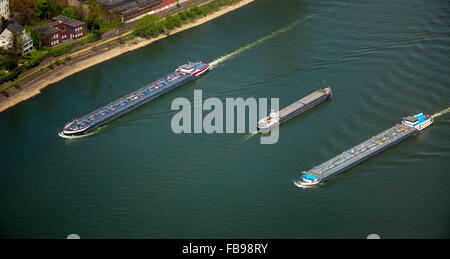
34, 86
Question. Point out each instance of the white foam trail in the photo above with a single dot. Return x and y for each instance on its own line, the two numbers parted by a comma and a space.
251, 45
249, 136
81, 136
441, 113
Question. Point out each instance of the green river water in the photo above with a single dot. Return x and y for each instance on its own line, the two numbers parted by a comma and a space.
137, 179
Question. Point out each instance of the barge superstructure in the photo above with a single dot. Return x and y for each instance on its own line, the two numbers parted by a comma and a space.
276, 118
320, 174
131, 101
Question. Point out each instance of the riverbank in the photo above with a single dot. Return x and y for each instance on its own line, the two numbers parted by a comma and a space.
37, 82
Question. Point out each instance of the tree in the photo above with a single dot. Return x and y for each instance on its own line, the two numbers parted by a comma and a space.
58, 6
97, 35
169, 23
8, 60
149, 26
49, 8
177, 20
197, 10
13, 52
36, 35
69, 12
79, 12
93, 19
23, 10
44, 9
16, 44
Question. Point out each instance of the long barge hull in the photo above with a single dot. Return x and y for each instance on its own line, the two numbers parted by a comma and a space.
134, 106
90, 122
304, 104
374, 149
276, 118
324, 172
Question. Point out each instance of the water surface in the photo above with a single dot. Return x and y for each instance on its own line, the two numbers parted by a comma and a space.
137, 179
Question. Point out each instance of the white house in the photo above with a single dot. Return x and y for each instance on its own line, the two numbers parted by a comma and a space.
4, 8
7, 34
5, 38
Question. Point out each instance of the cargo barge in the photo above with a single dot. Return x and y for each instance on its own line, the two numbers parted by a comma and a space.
129, 102
320, 174
276, 118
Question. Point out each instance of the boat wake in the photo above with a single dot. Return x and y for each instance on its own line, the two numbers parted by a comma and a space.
249, 136
438, 114
217, 61
81, 136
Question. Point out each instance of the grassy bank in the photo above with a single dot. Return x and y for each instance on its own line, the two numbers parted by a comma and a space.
106, 50
151, 26
34, 58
